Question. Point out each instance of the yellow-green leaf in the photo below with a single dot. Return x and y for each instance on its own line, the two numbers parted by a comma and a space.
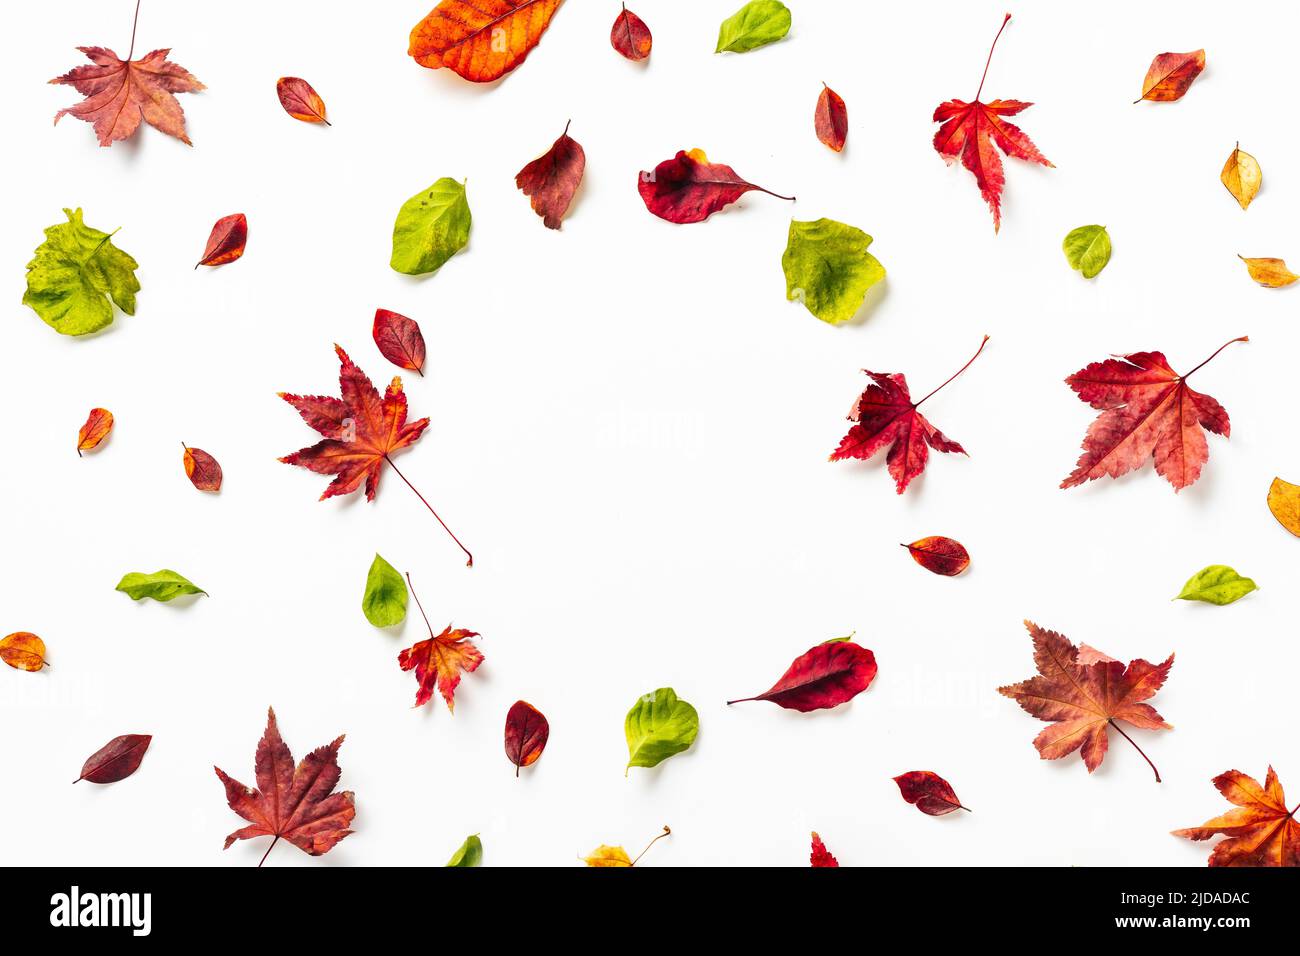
469, 854
756, 24
1087, 249
76, 272
1216, 584
431, 227
384, 602
828, 269
658, 726
161, 585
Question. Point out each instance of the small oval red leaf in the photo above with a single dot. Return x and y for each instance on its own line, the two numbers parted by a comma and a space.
826, 676
399, 340
527, 731
630, 36
300, 101
226, 241
203, 471
928, 792
940, 555
98, 424
831, 119
116, 760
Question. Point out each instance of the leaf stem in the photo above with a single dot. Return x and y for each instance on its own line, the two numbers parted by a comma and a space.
1137, 748
651, 843
954, 375
470, 562
420, 606
1005, 21
268, 851
134, 22
1243, 338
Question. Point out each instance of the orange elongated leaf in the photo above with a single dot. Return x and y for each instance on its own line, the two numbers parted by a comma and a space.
203, 471
296, 803
527, 731
551, 180
824, 676
482, 40
98, 424
1284, 503
630, 36
116, 760
831, 119
940, 555
820, 856
300, 100
1261, 831
1169, 76
928, 792
226, 241
439, 661
615, 856
688, 188
399, 340
23, 651
1081, 693
1269, 272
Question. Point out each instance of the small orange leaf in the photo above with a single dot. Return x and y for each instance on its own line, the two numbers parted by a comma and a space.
1271, 273
226, 241
1170, 74
98, 424
203, 471
483, 40
301, 101
23, 651
940, 555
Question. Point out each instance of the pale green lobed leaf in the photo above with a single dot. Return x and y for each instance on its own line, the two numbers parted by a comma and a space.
658, 726
75, 273
828, 269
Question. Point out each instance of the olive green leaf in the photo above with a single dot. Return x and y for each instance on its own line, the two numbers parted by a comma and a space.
1087, 249
1217, 584
384, 603
469, 854
828, 269
658, 726
161, 585
431, 227
756, 24
76, 271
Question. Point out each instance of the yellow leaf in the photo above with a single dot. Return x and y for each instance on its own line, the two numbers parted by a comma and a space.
24, 651
1242, 176
1284, 502
1269, 272
608, 856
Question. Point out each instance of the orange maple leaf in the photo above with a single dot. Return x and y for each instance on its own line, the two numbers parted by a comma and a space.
1082, 692
1261, 831
483, 40
440, 660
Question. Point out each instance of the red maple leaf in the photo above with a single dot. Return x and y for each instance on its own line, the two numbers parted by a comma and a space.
1261, 831
440, 660
1146, 410
970, 130
361, 432
886, 414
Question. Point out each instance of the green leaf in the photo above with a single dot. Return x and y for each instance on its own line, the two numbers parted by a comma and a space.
161, 585
828, 269
431, 227
469, 854
658, 726
1087, 249
1217, 584
384, 603
756, 24
76, 271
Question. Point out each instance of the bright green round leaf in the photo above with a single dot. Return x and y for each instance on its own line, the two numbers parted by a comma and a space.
384, 602
1087, 249
75, 273
469, 854
658, 726
431, 227
756, 24
828, 269
161, 585
1217, 584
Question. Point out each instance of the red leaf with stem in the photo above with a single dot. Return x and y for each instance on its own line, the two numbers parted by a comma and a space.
630, 36
831, 119
399, 340
928, 792
226, 242
825, 676
116, 760
527, 731
439, 661
688, 188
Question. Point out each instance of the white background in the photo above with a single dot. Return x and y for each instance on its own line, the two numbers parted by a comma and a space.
629, 429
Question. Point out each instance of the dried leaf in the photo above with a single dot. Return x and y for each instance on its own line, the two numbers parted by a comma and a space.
470, 853
399, 340
527, 731
616, 856
1284, 502
98, 424
940, 555
440, 660
1272, 273
23, 651
630, 36
384, 601
203, 471
551, 180
1242, 176
658, 726
821, 856
300, 100
1087, 249
1170, 74
1260, 832
825, 676
828, 268
431, 227
928, 792
482, 40
688, 188
116, 760
226, 241
831, 119
1216, 584
756, 24
75, 273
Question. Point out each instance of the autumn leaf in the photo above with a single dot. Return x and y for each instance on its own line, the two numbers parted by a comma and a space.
970, 131
831, 119
821, 856
226, 241
116, 760
756, 24
98, 424
1242, 176
1087, 249
203, 471
384, 600
1271, 273
361, 434
1284, 503
469, 854
1169, 76
928, 792
828, 268
431, 227
300, 100
119, 93
1081, 693
162, 585
551, 180
1216, 584
296, 803
616, 856
630, 36
885, 414
23, 651
1260, 832
76, 272
658, 726
688, 188
825, 676
440, 660
940, 555
1147, 411
399, 340
482, 40
527, 731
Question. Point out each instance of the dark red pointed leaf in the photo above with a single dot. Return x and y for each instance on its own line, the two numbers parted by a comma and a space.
399, 340
527, 731
826, 676
630, 36
688, 188
551, 180
831, 119
940, 555
116, 760
203, 471
928, 792
226, 241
